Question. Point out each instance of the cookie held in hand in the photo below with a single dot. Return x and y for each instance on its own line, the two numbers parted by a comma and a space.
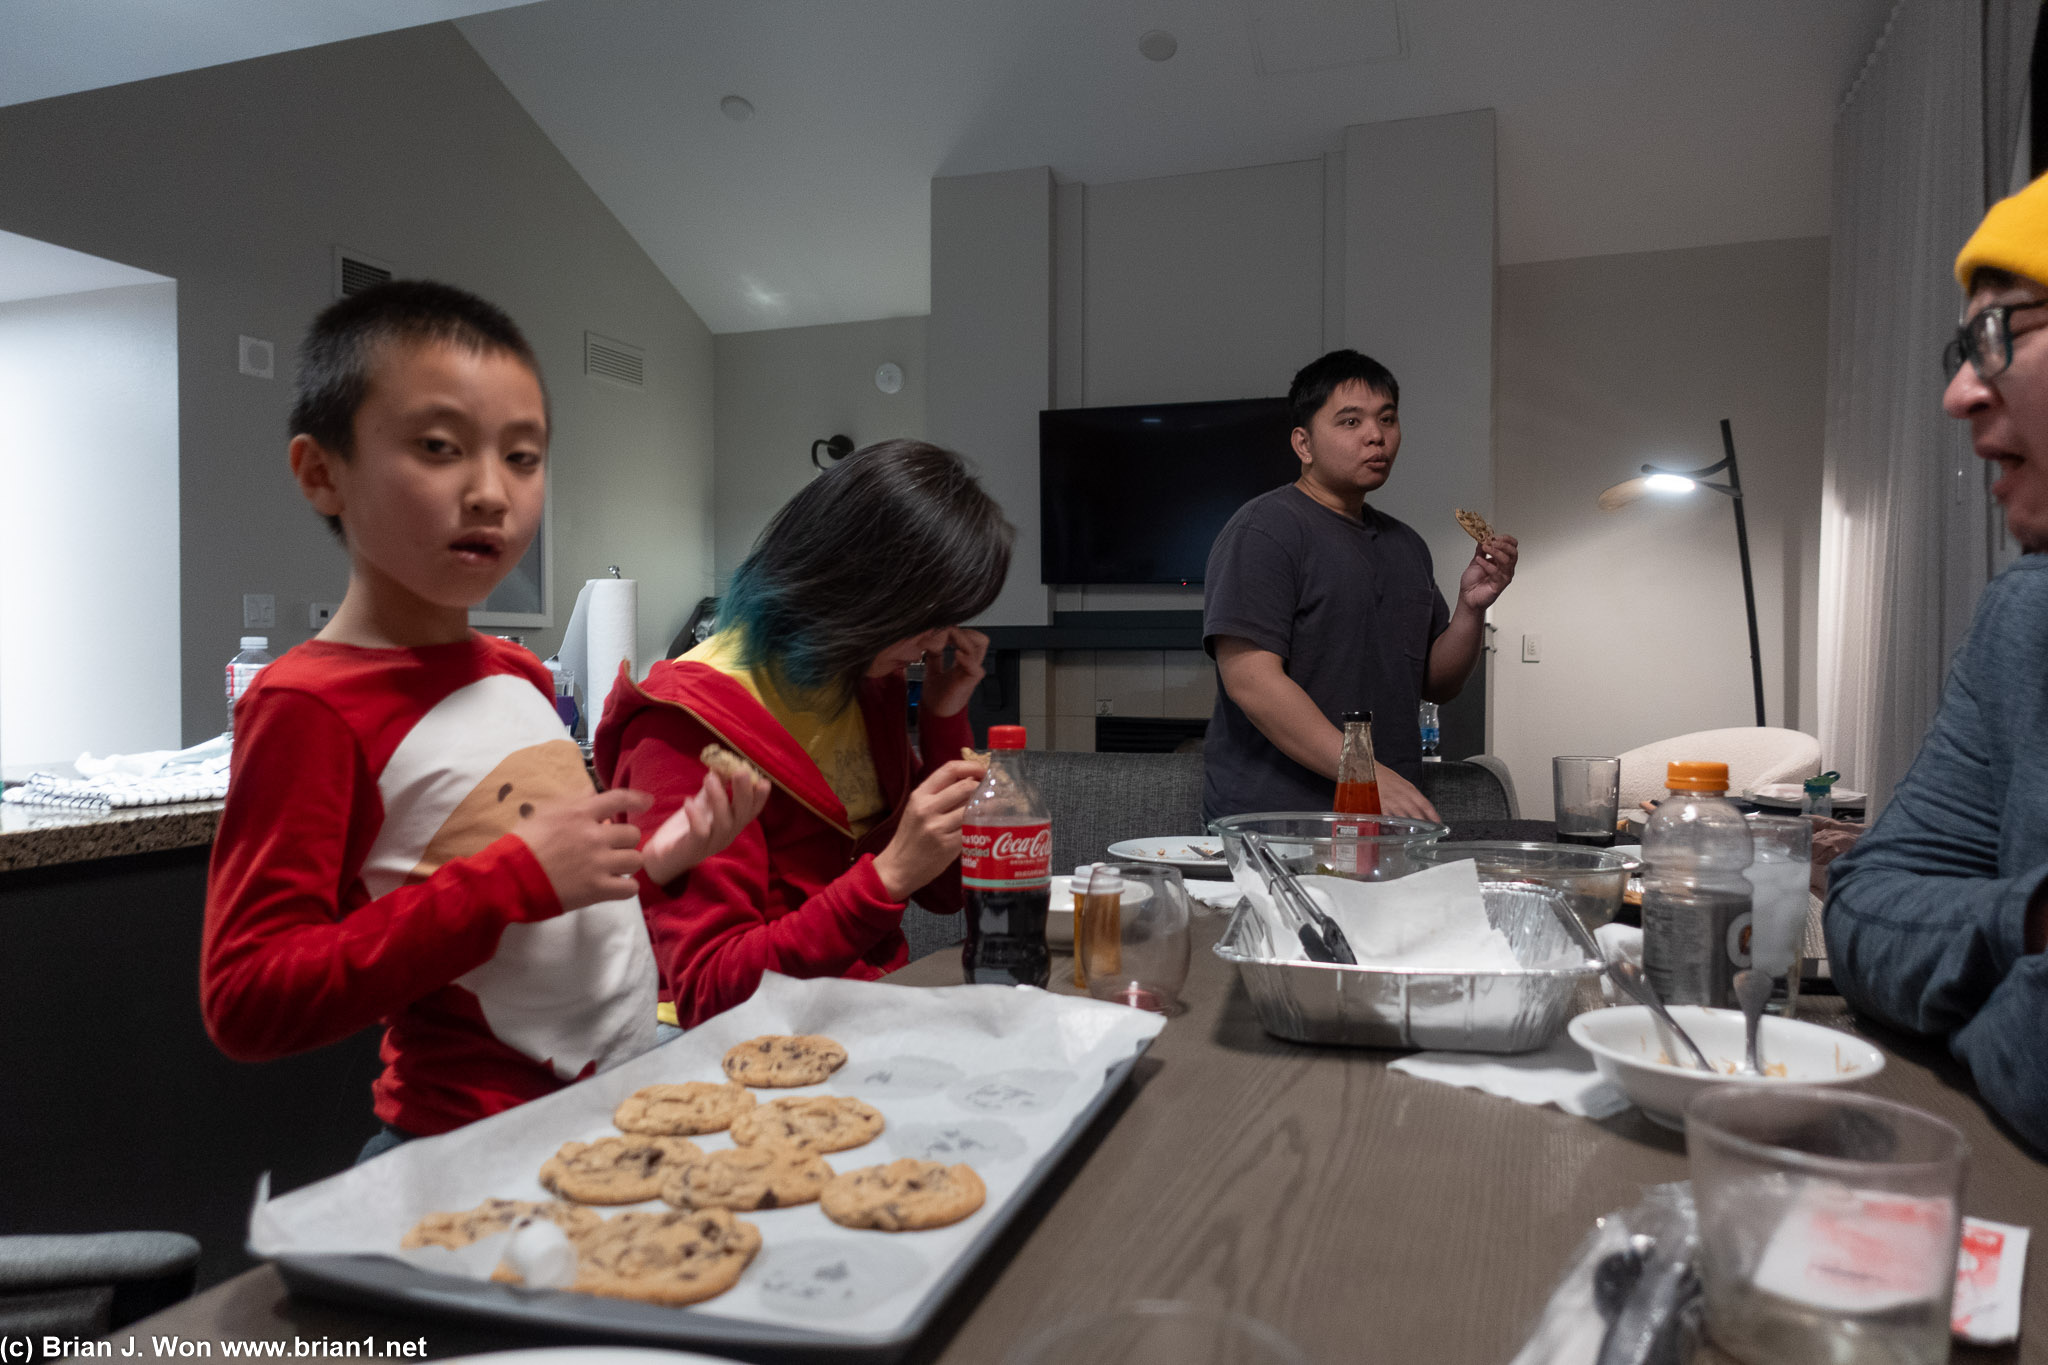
1475, 526
903, 1196
778, 1060
614, 1170
819, 1123
728, 764
683, 1110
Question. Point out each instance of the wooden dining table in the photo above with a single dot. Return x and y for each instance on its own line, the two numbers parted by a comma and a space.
1366, 1214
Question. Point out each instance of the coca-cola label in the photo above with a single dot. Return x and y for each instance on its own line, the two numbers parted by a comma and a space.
1006, 857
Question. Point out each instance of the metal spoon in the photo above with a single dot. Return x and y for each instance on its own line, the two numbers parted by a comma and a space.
1753, 990
1629, 976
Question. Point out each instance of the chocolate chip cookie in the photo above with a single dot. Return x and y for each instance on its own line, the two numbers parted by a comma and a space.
1475, 525
728, 764
682, 1110
778, 1060
818, 1123
614, 1170
903, 1196
673, 1257
748, 1178
459, 1229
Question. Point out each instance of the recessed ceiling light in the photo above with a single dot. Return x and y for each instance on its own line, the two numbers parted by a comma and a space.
1158, 45
736, 109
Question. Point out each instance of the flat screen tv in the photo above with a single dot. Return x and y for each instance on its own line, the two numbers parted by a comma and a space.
1137, 494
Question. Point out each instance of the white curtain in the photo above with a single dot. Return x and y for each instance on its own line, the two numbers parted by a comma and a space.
1906, 534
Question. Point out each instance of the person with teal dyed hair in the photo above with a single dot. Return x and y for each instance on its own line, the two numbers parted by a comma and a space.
872, 567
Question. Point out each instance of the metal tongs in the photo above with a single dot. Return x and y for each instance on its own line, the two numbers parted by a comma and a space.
1321, 939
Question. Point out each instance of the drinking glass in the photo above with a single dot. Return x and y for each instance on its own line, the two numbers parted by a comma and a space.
1585, 789
1779, 879
1159, 1332
1141, 959
1828, 1223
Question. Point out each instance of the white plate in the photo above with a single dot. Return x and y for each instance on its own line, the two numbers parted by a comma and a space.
1174, 851
1792, 795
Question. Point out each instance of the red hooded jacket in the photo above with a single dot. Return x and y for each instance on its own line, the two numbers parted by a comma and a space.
795, 892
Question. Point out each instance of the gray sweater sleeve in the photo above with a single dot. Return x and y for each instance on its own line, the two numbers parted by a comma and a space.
1926, 916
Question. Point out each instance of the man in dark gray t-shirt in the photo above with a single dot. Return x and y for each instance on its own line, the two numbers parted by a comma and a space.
1315, 604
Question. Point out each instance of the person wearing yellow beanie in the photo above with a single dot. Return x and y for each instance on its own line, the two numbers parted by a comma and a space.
1998, 365
1937, 920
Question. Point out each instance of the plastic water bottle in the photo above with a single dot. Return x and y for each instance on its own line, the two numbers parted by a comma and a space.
1696, 897
1431, 736
242, 670
1006, 870
1819, 793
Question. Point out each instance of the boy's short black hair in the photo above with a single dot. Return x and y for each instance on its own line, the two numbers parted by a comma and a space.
1316, 381
340, 350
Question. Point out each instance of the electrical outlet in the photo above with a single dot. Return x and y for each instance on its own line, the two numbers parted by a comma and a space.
1105, 707
1532, 649
259, 609
320, 613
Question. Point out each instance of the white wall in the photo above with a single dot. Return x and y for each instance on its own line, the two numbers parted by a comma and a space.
990, 351
1418, 297
780, 390
238, 181
88, 491
1201, 287
1607, 363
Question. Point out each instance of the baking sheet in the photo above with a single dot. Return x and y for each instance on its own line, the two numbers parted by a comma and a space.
1002, 1078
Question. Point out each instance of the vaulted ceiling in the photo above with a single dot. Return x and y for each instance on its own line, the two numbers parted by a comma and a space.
1623, 126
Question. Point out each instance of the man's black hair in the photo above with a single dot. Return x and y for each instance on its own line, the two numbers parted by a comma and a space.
340, 350
1316, 381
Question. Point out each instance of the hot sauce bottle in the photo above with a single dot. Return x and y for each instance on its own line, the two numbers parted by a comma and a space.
1358, 780
1358, 793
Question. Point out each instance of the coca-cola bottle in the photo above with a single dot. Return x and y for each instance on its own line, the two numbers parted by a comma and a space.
1006, 870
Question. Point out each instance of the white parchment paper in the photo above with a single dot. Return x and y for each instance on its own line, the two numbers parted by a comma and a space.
989, 1075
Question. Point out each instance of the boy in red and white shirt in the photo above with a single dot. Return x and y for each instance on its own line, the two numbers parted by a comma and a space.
410, 836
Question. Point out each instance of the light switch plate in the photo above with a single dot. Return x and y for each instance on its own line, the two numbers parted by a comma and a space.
320, 613
1105, 707
1532, 649
258, 609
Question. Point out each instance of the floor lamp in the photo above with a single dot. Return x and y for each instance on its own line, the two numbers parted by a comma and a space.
1655, 479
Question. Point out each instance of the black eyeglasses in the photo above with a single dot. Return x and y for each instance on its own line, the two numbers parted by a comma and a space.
1985, 341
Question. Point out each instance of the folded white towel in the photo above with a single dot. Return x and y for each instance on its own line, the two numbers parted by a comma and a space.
126, 781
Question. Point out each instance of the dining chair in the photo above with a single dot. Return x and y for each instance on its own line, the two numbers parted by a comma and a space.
88, 1284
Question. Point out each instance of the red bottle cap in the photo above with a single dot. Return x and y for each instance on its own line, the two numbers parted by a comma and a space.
1005, 736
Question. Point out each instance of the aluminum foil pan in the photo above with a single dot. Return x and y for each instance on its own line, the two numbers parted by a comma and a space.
1519, 1011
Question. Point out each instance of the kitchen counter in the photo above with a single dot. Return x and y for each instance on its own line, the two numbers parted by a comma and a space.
47, 836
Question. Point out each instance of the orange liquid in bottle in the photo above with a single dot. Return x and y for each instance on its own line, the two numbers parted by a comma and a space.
1358, 798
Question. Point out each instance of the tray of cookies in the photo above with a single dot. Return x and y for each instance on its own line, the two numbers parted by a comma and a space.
817, 1168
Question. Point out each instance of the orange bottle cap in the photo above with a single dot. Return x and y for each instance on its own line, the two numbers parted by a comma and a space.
1697, 777
1006, 737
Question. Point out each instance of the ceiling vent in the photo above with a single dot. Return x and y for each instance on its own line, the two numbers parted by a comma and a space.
1295, 36
354, 272
615, 361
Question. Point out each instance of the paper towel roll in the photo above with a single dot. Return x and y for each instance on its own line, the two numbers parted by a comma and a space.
600, 637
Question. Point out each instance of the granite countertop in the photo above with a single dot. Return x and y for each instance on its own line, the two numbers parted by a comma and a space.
45, 836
